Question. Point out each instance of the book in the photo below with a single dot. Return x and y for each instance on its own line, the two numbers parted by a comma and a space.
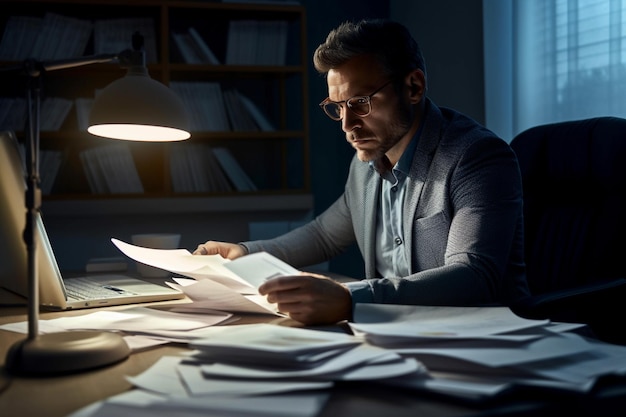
195, 169
240, 118
235, 172
206, 54
19, 37
205, 104
259, 117
257, 42
188, 53
61, 37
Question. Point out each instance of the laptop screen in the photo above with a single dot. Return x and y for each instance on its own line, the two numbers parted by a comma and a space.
13, 252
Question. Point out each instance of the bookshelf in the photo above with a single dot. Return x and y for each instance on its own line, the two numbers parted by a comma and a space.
240, 67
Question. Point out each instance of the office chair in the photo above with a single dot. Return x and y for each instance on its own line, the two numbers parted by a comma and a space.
574, 179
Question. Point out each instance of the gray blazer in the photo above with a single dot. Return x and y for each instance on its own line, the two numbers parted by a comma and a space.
462, 219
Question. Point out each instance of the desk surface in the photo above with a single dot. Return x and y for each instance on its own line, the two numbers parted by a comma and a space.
61, 395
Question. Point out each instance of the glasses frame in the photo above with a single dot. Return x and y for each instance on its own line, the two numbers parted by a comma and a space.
367, 98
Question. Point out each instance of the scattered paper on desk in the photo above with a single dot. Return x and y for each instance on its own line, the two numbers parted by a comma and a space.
150, 326
467, 361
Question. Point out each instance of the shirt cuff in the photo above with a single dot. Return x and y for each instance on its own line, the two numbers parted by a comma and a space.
361, 292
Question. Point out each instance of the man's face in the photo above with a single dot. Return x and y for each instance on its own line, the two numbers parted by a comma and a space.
390, 118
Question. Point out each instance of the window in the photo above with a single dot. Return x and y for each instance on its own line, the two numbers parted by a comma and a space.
553, 60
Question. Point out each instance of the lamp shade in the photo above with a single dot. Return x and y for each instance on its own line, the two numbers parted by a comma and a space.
136, 107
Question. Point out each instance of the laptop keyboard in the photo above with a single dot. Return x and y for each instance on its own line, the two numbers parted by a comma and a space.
84, 289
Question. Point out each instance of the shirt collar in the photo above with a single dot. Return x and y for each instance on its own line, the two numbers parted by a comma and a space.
383, 165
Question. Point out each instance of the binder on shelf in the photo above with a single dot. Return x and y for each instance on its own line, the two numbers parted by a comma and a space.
235, 172
206, 54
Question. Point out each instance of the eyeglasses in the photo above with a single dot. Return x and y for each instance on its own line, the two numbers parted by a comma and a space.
359, 105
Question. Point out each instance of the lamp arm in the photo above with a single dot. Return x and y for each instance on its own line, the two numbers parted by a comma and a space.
77, 62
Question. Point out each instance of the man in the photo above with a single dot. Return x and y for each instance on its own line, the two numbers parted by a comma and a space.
433, 199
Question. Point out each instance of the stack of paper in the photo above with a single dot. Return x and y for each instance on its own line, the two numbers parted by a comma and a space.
218, 283
478, 353
270, 370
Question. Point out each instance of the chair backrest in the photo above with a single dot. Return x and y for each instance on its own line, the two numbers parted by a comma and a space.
574, 178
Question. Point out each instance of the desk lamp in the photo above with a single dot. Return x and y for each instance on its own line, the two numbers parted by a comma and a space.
132, 108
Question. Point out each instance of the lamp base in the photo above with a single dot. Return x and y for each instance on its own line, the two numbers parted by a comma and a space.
65, 352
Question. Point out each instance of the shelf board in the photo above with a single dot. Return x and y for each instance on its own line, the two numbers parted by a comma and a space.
182, 205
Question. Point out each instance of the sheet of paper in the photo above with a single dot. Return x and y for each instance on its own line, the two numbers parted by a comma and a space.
137, 319
268, 340
240, 274
161, 378
332, 369
208, 294
486, 353
199, 385
426, 322
141, 403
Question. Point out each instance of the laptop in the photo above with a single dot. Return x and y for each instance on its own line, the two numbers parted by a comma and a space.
55, 291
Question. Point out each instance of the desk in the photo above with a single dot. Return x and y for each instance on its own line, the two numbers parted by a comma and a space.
58, 396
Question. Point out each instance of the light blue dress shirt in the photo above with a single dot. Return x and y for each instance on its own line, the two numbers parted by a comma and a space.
391, 257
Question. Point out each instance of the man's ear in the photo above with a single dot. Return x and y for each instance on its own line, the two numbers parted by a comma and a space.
417, 85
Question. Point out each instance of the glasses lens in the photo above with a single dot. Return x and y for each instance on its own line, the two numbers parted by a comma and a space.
333, 110
360, 105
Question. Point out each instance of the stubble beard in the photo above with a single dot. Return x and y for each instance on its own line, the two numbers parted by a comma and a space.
392, 134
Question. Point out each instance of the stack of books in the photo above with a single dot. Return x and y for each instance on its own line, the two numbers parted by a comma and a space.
195, 169
200, 168
55, 36
211, 109
111, 169
54, 111
51, 37
257, 42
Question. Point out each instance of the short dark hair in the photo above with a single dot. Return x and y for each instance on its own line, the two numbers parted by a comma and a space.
389, 42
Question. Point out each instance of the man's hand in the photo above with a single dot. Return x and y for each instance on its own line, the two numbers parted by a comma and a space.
226, 250
309, 298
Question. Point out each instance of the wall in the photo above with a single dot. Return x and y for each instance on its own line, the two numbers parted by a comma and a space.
450, 33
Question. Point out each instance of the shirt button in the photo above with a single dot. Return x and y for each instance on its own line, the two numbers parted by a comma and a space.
394, 188
398, 241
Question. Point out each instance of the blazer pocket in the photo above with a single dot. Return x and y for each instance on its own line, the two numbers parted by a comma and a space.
431, 236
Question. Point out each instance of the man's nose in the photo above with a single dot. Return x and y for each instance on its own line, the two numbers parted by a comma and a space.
350, 121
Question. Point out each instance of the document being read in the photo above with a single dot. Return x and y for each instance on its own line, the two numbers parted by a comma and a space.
221, 284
